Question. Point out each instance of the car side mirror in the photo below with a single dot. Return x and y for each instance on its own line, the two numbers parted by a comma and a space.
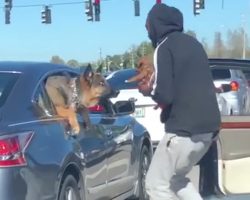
124, 107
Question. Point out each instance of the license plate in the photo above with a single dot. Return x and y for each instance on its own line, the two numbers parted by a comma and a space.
139, 113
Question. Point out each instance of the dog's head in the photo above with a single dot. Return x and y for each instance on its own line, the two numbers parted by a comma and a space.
145, 70
94, 86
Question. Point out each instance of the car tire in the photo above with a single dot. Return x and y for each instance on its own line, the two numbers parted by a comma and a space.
69, 189
145, 159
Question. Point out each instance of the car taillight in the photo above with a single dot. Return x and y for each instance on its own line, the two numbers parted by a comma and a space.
96, 108
234, 85
12, 149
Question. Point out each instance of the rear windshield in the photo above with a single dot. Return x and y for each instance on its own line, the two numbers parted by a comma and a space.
7, 81
221, 74
117, 79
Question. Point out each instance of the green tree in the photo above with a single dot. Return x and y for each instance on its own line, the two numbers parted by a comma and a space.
73, 63
218, 47
57, 60
191, 33
235, 43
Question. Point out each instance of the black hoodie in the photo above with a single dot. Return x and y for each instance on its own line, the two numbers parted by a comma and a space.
183, 79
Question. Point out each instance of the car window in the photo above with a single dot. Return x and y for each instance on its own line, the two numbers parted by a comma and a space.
247, 74
7, 81
221, 74
42, 100
117, 80
43, 104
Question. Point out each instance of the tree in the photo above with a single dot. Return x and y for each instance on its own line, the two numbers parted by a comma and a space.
235, 43
191, 33
57, 60
73, 63
206, 47
218, 48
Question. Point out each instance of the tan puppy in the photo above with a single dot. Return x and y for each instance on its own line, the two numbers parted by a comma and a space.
145, 70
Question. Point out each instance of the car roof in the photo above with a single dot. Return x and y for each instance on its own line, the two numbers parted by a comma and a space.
25, 66
243, 63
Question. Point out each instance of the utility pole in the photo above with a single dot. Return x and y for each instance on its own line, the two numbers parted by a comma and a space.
132, 58
244, 37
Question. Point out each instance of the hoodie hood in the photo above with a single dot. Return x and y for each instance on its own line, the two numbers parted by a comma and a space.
161, 21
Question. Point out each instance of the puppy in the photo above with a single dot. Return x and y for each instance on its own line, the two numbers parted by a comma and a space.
145, 70
73, 94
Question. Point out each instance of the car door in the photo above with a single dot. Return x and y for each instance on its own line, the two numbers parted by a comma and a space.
234, 155
120, 136
93, 145
118, 130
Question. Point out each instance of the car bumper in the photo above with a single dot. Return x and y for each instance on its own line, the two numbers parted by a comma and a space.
20, 183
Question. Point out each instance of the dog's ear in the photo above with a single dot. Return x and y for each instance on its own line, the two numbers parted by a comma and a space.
88, 73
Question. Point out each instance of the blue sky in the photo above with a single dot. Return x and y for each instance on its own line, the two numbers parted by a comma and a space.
71, 36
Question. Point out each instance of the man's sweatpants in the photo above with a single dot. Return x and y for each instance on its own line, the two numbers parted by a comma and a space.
174, 157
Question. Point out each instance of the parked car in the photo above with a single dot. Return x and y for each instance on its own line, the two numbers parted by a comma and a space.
39, 157
227, 71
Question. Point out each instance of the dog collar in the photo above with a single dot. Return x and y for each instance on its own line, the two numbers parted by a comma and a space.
76, 95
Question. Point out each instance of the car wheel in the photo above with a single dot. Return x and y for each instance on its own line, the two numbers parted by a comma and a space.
69, 189
145, 159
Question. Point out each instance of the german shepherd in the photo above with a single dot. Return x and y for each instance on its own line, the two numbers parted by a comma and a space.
71, 95
145, 71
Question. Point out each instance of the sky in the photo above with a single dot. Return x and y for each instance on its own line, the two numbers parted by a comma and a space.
71, 36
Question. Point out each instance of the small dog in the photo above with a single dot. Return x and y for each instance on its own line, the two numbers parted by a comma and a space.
145, 75
145, 70
72, 94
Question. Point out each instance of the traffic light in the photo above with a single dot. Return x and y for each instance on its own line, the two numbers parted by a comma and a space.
137, 7
7, 16
89, 10
46, 15
97, 10
198, 5
8, 4
158, 1
7, 8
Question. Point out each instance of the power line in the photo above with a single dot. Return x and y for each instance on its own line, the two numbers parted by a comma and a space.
50, 4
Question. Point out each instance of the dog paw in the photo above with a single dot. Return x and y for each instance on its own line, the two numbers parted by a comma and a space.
75, 130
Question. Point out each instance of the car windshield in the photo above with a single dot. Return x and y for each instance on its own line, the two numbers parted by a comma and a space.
7, 81
117, 79
219, 74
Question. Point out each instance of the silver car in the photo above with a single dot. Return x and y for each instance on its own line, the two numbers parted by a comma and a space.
227, 73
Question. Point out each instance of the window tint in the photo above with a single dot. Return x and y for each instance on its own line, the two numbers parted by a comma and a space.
247, 74
118, 78
221, 74
43, 104
7, 81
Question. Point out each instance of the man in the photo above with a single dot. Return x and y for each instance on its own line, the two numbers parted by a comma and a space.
184, 89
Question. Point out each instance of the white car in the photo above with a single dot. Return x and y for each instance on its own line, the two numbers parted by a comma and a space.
145, 112
226, 71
